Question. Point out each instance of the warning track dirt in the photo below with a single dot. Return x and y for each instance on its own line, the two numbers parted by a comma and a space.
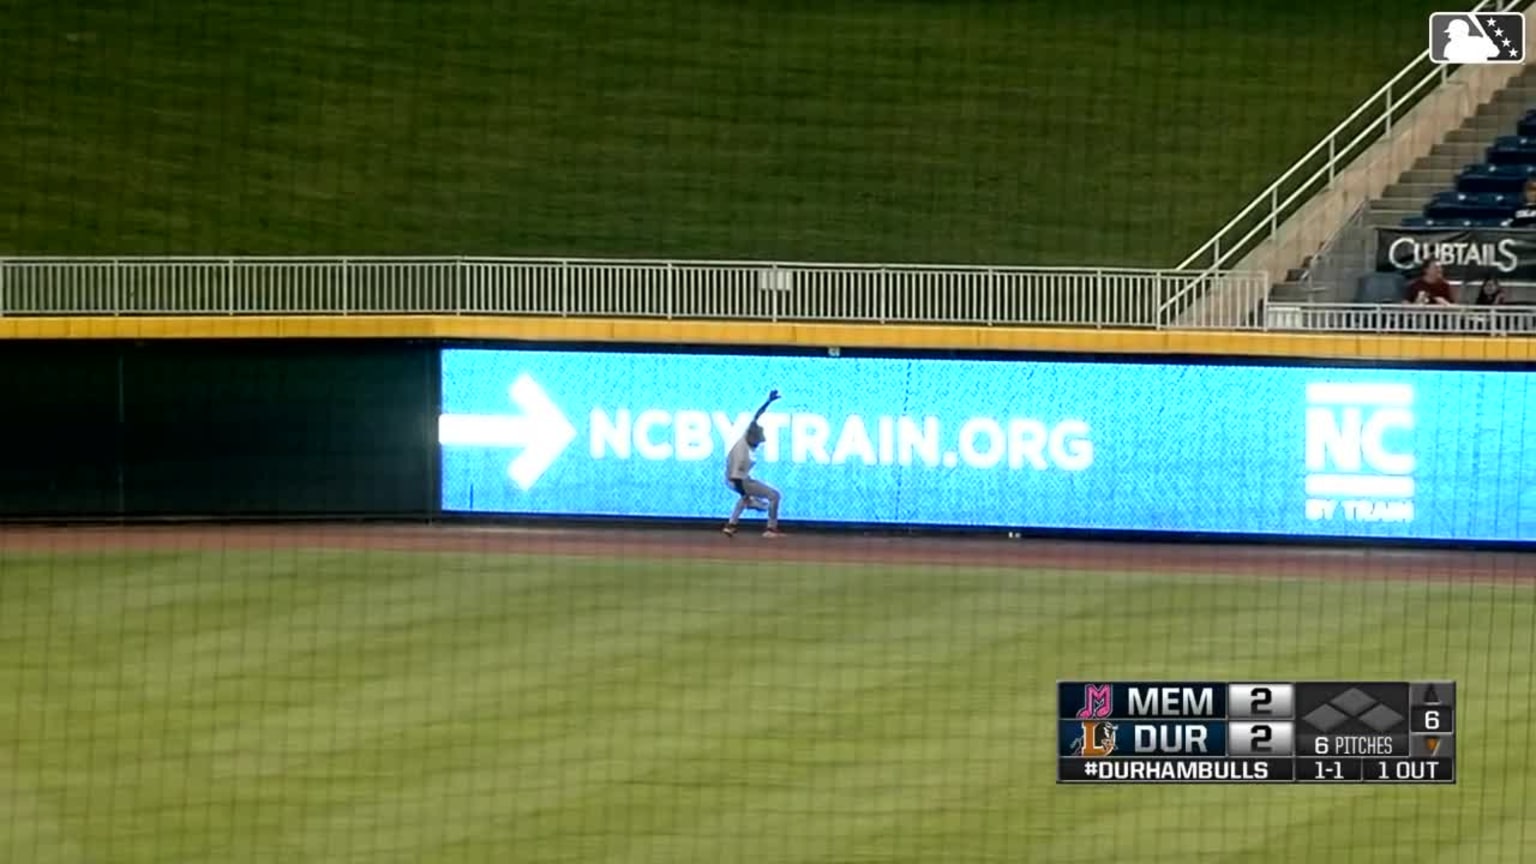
704, 544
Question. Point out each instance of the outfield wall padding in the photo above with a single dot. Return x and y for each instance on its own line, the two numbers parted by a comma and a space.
220, 429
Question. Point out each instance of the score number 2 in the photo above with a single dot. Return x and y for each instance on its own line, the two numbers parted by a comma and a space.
1262, 698
1260, 701
1260, 737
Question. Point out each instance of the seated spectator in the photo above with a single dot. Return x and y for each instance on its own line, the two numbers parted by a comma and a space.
1491, 293
1431, 289
1525, 217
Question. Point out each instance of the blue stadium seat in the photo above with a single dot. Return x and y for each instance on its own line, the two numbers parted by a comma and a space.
1505, 179
1489, 200
1487, 194
1527, 125
1527, 142
1481, 205
1454, 222
1513, 150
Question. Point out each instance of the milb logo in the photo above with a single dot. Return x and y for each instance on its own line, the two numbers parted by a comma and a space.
1360, 460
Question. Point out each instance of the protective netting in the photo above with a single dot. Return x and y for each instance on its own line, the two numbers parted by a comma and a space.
403, 695
415, 692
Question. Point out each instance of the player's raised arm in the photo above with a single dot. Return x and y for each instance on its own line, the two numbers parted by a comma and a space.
773, 396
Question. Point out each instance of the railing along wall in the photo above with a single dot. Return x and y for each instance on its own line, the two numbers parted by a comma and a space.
1364, 318
771, 291
681, 290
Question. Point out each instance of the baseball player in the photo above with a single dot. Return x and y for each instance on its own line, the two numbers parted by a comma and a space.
751, 493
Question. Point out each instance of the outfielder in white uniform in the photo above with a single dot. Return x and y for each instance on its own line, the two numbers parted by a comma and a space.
752, 494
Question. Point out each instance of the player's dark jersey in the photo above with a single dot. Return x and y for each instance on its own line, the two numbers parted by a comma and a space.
1525, 217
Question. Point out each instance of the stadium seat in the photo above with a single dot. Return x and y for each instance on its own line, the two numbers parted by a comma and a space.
1381, 288
1505, 179
1487, 200
1487, 194
1479, 205
1527, 125
1513, 150
1454, 222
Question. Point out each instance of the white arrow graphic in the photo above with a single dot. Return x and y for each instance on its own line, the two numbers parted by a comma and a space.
541, 431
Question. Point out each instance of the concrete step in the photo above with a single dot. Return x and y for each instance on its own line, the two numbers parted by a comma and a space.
1415, 205
1442, 163
1515, 92
1493, 125
1415, 191
1385, 218
1507, 112
1438, 176
1480, 137
1296, 291
1517, 99
1467, 152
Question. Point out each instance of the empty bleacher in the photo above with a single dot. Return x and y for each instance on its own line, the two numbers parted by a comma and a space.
1475, 177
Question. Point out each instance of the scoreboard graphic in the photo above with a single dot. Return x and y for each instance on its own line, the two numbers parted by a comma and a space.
1263, 732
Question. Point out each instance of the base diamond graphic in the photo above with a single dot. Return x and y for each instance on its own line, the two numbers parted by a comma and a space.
1381, 718
1352, 701
1325, 718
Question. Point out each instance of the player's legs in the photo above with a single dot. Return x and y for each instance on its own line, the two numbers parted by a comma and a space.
756, 489
743, 500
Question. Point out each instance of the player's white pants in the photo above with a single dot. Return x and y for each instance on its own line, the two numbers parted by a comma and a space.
747, 490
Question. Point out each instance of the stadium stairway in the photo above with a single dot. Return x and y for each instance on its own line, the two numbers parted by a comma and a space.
1431, 174
1462, 147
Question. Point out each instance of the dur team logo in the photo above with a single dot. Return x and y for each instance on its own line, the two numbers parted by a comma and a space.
1359, 452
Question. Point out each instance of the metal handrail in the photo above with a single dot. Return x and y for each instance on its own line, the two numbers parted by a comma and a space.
137, 260
1336, 155
681, 290
1508, 320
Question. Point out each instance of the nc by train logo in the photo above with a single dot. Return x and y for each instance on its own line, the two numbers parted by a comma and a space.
1359, 452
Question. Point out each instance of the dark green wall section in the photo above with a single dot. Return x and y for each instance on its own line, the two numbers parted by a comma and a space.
259, 429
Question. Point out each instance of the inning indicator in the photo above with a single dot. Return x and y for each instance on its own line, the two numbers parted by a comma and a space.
1256, 732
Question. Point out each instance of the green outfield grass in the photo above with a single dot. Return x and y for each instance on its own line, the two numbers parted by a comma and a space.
327, 707
1119, 132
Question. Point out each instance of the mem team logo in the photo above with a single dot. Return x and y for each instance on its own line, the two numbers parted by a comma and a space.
1359, 452
1098, 738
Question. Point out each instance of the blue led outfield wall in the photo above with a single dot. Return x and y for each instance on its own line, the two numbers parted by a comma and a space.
1306, 451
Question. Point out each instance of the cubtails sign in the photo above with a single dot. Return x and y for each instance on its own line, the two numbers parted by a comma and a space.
1467, 254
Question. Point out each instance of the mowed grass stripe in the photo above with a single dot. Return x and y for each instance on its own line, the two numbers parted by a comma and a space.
30, 830
1139, 615
581, 710
512, 649
864, 724
680, 706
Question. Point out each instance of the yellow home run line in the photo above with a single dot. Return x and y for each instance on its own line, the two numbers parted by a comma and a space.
753, 333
